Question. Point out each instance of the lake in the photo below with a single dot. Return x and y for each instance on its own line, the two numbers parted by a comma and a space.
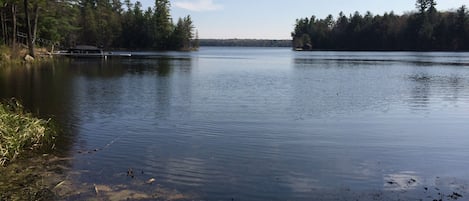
258, 123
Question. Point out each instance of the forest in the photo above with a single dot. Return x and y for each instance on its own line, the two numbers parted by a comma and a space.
245, 43
109, 24
425, 29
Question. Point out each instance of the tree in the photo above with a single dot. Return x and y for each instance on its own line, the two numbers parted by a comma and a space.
95, 22
196, 42
424, 29
422, 6
188, 32
183, 34
28, 28
162, 24
61, 22
88, 23
3, 21
10, 32
461, 28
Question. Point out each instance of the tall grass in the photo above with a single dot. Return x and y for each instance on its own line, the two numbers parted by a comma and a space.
9, 55
20, 132
5, 54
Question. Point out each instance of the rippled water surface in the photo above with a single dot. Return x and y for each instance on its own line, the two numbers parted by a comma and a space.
261, 124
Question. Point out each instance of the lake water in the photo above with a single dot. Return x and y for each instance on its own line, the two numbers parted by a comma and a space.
260, 123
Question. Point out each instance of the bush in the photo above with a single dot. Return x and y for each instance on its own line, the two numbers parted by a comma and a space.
21, 132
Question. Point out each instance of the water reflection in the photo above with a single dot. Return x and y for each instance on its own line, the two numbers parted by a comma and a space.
46, 90
420, 93
447, 89
399, 58
366, 95
37, 87
262, 124
342, 87
384, 80
78, 92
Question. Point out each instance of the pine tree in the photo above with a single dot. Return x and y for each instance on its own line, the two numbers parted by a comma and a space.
162, 24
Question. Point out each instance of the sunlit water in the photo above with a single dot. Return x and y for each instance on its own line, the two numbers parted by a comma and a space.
258, 123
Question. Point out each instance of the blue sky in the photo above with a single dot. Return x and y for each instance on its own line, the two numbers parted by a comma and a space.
274, 19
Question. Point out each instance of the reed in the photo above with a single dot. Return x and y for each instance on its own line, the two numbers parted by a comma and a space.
21, 132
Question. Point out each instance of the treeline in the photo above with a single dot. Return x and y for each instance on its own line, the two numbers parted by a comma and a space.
423, 30
245, 43
103, 23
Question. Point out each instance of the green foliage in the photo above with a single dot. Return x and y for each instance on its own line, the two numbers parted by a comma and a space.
20, 132
243, 43
183, 34
103, 23
424, 6
426, 29
162, 24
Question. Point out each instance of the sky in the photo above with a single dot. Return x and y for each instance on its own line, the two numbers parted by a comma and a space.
275, 19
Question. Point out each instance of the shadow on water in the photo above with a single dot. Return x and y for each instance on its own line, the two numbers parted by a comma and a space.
72, 90
46, 90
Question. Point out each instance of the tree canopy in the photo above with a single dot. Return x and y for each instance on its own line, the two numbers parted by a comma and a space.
424, 29
110, 24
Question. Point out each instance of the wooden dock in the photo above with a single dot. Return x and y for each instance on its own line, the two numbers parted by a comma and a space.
103, 55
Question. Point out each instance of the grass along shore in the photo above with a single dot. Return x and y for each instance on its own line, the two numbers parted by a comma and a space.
21, 132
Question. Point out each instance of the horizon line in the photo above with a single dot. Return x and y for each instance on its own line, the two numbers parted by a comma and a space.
241, 39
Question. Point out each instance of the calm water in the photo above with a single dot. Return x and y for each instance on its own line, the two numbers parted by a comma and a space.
261, 124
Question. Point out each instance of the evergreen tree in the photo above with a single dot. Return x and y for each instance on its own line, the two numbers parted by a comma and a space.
162, 24
96, 22
88, 24
425, 29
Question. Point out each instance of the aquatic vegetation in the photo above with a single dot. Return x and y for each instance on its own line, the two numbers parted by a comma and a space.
21, 132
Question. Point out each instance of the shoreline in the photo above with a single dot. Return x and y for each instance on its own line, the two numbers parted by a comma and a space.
9, 55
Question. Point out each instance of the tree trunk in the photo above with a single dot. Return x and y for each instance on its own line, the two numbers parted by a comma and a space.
36, 19
28, 29
2, 16
13, 16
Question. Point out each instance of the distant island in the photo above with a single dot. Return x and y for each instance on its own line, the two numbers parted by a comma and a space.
426, 29
245, 43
